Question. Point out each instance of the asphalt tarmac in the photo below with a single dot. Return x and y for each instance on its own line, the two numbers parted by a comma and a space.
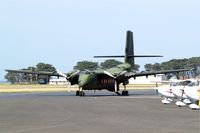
100, 112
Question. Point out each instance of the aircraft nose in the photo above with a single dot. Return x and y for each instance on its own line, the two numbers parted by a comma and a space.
84, 79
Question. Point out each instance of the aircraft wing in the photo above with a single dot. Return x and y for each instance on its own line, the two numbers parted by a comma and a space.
134, 75
55, 73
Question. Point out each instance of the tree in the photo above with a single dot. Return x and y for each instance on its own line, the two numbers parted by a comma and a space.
190, 63
89, 65
11, 77
152, 67
148, 67
193, 62
136, 67
45, 67
109, 63
174, 64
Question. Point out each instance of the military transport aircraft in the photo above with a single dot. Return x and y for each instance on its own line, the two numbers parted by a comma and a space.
108, 79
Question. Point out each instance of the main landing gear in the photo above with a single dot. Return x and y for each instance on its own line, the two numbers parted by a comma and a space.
125, 93
80, 92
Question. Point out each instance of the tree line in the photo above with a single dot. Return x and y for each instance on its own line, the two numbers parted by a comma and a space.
190, 63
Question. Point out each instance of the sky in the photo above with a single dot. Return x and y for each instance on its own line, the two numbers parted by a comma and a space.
63, 32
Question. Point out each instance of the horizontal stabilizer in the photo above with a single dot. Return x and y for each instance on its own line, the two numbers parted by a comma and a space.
117, 56
145, 56
121, 56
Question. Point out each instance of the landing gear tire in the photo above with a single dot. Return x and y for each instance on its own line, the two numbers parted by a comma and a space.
125, 93
77, 93
81, 94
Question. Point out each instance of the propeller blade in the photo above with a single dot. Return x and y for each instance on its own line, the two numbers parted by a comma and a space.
75, 73
62, 74
109, 74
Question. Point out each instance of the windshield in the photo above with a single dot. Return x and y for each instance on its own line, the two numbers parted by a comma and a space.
182, 83
195, 83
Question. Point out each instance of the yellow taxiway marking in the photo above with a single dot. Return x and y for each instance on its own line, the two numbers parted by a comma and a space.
199, 96
58, 88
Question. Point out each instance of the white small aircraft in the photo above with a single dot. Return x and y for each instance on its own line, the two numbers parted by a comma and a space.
174, 90
166, 92
179, 92
192, 91
187, 91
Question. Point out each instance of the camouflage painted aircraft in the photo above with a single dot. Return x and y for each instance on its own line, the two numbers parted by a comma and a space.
108, 79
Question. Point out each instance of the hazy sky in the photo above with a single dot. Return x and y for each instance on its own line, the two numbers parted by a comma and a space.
63, 32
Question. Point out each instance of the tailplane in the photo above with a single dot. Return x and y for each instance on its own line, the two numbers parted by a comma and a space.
129, 56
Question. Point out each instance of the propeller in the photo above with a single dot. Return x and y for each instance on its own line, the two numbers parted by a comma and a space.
62, 74
75, 73
109, 74
122, 73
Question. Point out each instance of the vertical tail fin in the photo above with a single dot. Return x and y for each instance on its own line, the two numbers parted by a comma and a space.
129, 49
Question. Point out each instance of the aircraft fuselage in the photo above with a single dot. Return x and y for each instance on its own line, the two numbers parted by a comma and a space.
100, 82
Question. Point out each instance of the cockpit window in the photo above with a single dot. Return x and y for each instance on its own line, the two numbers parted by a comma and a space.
195, 83
184, 83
